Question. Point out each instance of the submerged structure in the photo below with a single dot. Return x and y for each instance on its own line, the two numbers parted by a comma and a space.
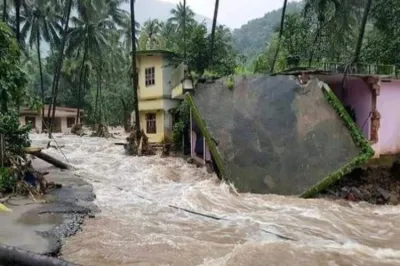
270, 134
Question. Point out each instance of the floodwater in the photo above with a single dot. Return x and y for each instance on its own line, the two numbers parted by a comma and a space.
138, 227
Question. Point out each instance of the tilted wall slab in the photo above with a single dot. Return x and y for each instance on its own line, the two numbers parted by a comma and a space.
268, 134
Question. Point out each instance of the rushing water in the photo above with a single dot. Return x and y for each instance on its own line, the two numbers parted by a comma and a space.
137, 227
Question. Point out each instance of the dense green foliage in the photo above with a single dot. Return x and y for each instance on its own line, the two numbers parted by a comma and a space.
13, 94
96, 72
12, 78
324, 31
252, 37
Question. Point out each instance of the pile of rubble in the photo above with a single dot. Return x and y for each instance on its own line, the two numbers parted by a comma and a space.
376, 185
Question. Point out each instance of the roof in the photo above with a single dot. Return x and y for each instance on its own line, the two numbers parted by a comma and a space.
60, 111
156, 52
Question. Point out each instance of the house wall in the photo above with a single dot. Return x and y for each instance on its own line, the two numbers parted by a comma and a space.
388, 105
158, 137
155, 91
38, 122
359, 97
167, 70
168, 124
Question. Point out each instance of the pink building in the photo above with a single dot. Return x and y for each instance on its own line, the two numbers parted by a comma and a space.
375, 101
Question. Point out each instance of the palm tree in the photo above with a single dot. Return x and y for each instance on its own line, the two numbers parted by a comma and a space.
335, 17
362, 31
126, 33
182, 17
4, 10
60, 59
214, 25
280, 36
90, 34
151, 30
167, 32
17, 19
39, 21
134, 75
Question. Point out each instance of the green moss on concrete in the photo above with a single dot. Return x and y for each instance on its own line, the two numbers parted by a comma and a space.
210, 143
366, 151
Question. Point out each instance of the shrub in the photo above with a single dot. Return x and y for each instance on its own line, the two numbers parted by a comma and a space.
16, 137
7, 180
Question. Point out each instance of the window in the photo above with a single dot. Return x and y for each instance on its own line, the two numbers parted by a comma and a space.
151, 124
150, 76
70, 122
30, 120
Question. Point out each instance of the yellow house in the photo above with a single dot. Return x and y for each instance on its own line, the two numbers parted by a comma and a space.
158, 75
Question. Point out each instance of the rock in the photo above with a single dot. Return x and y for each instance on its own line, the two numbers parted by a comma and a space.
351, 197
383, 193
393, 199
357, 193
366, 195
395, 169
380, 201
190, 160
344, 192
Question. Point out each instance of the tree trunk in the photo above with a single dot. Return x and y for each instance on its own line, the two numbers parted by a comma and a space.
40, 71
280, 36
18, 20
184, 30
362, 32
4, 10
134, 76
15, 256
96, 109
101, 99
81, 80
214, 25
57, 71
47, 158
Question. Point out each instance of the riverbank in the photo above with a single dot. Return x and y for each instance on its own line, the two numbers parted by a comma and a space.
41, 226
376, 183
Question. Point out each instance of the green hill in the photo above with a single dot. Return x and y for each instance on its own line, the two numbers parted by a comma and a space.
252, 37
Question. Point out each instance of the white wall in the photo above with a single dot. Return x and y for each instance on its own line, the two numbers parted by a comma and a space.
38, 122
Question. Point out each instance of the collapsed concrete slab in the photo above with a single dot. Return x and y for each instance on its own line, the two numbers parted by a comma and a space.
268, 134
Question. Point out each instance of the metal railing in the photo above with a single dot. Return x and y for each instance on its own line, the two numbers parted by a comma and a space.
361, 68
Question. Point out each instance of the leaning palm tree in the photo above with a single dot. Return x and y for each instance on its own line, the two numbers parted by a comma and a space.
134, 76
40, 23
280, 36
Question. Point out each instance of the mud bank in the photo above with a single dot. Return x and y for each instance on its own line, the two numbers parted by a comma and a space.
377, 184
41, 226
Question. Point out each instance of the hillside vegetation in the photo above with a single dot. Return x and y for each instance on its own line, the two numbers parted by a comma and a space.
252, 37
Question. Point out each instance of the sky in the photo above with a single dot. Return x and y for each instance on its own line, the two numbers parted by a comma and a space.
233, 13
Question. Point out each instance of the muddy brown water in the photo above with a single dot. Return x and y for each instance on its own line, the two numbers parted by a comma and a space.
136, 226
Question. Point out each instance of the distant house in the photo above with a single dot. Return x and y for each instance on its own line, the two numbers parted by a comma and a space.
159, 77
65, 118
375, 101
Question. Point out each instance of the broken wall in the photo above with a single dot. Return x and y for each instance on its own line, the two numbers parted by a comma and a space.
267, 134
